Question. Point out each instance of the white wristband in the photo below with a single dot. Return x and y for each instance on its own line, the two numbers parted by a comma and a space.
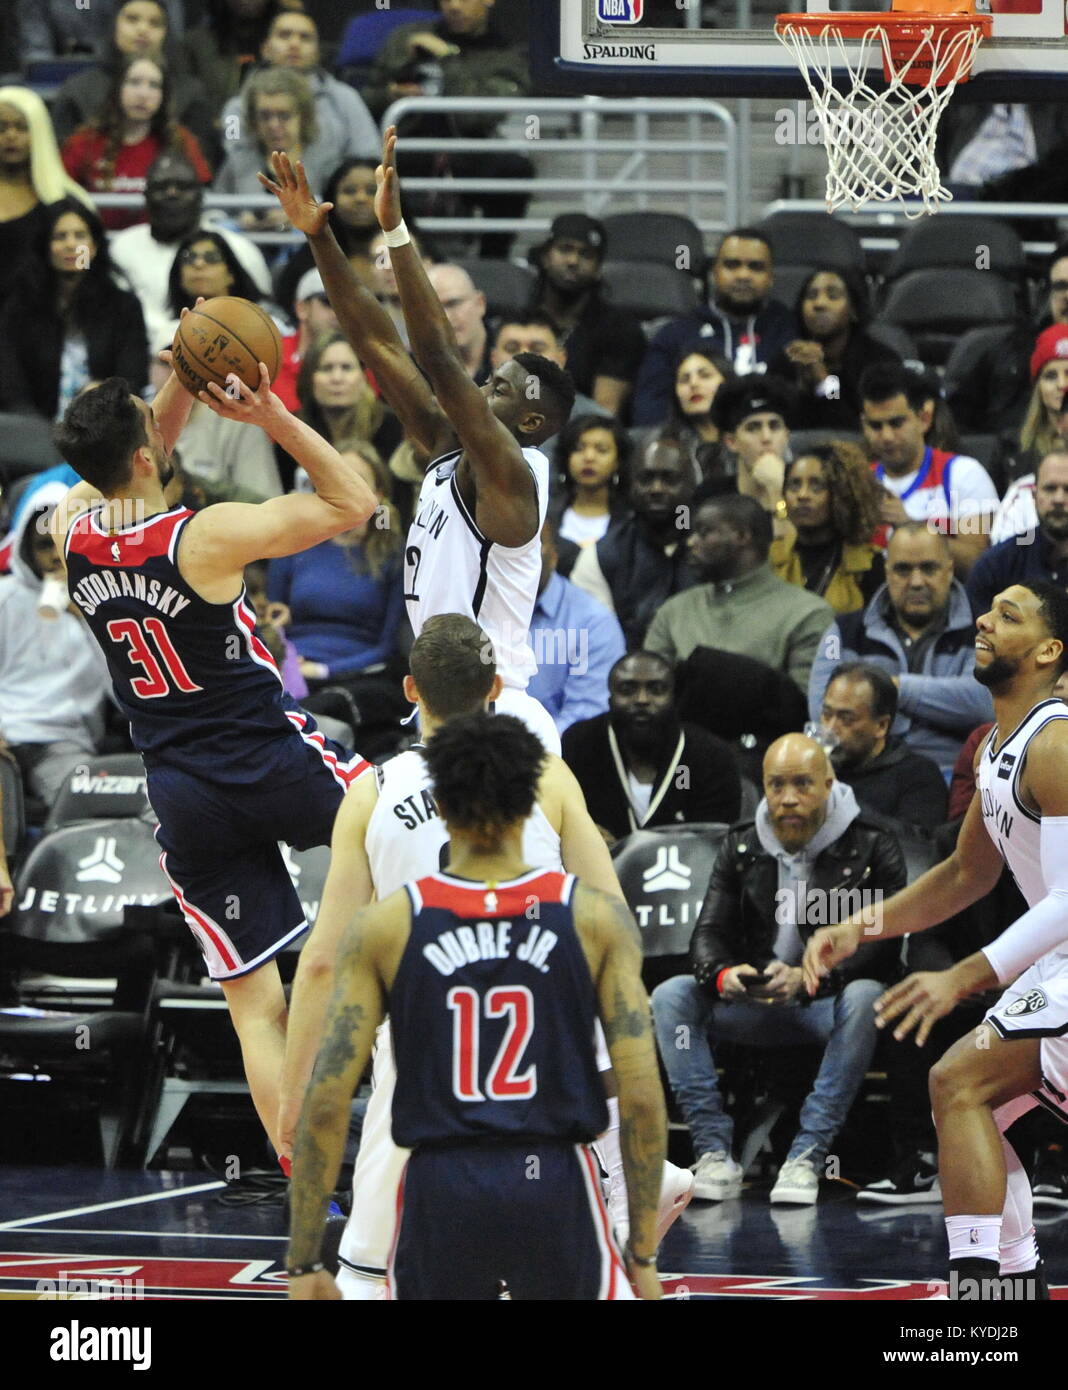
398, 236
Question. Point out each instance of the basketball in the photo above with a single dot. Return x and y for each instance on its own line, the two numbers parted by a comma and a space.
225, 335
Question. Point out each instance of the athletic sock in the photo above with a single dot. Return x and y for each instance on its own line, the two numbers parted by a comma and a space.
1019, 1256
973, 1238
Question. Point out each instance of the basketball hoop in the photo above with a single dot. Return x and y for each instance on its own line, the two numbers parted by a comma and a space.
881, 144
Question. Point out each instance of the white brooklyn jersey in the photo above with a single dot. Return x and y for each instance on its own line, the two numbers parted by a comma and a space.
450, 567
406, 837
1014, 828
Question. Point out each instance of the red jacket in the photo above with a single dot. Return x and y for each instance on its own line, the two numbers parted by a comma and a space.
83, 156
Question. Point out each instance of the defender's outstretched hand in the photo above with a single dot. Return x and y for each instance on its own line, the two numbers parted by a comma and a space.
387, 199
923, 998
290, 187
826, 949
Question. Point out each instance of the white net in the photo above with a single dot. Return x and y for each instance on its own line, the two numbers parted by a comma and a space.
881, 144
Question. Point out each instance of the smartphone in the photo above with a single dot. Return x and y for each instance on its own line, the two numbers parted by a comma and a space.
753, 981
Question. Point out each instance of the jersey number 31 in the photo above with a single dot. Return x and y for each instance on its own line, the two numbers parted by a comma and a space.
501, 1082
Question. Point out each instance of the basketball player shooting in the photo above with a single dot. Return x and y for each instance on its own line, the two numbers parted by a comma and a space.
473, 546
1018, 1057
233, 766
498, 1094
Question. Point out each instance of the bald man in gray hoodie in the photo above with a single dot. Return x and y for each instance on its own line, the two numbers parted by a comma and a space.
810, 857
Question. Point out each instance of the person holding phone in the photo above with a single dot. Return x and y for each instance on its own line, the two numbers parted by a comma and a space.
809, 852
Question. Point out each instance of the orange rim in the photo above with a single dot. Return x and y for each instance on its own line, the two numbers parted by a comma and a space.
854, 24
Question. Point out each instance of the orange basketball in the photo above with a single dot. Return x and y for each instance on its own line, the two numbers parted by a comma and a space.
225, 335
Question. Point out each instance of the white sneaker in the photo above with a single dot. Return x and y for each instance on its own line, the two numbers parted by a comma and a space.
798, 1182
676, 1189
717, 1177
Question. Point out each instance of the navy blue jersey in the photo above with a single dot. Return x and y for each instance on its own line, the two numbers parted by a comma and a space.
493, 1013
199, 688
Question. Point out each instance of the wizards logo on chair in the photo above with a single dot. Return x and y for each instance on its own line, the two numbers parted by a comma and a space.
620, 11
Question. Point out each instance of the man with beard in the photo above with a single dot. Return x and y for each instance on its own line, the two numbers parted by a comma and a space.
1029, 556
1019, 1057
919, 629
641, 561
743, 323
174, 201
738, 604
858, 709
605, 344
233, 766
776, 879
627, 761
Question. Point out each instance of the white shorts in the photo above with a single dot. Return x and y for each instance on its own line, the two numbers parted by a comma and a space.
369, 1232
1036, 1006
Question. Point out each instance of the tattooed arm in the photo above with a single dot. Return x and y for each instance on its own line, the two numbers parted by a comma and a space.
612, 944
357, 1008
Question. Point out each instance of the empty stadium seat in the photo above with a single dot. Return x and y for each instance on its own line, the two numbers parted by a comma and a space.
508, 288
84, 977
664, 874
110, 786
788, 281
892, 335
959, 241
937, 306
649, 289
656, 236
812, 238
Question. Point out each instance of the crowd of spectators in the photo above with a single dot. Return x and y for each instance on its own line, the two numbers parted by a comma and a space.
762, 517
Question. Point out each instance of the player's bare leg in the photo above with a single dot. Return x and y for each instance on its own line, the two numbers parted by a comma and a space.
258, 1011
978, 1075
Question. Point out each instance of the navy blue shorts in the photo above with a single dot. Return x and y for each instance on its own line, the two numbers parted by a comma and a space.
476, 1218
221, 854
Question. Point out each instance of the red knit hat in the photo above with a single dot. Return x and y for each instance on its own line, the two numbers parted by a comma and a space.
1050, 344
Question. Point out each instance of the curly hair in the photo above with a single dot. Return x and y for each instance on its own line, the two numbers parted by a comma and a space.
855, 499
484, 769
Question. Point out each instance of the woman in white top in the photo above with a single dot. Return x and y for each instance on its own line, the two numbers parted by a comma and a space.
592, 453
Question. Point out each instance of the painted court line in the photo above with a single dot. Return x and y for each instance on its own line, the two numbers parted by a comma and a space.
108, 1232
22, 1222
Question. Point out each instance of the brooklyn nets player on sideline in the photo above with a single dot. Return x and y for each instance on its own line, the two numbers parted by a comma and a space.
987, 1080
233, 767
492, 1012
387, 832
474, 545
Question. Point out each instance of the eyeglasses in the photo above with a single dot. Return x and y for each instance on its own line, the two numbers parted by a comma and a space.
191, 257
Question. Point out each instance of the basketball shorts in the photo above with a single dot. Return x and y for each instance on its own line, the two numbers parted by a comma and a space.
519, 1219
220, 851
1036, 1006
372, 1223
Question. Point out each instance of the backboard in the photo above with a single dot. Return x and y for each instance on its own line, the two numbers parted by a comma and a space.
601, 46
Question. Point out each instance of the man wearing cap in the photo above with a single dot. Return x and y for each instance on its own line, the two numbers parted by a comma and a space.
752, 414
742, 322
174, 201
314, 316
605, 345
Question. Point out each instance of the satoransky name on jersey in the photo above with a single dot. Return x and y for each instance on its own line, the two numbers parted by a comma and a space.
95, 589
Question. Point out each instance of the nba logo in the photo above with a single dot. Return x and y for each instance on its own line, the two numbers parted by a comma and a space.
620, 11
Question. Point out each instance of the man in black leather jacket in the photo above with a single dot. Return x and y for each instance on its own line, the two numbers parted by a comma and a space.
809, 858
